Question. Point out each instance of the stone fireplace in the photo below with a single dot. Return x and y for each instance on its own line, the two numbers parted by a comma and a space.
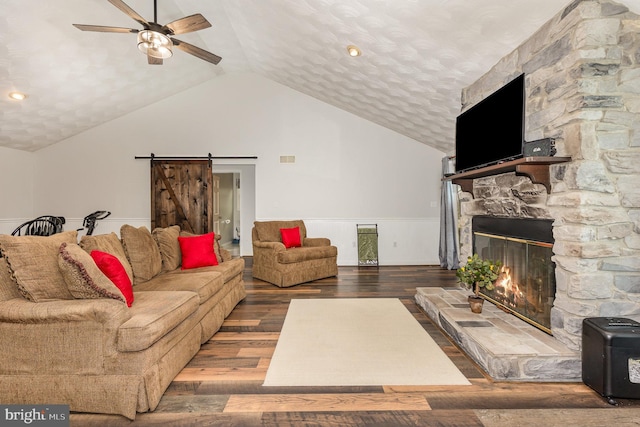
582, 83
582, 77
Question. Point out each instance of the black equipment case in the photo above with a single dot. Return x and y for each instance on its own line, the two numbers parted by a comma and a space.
611, 356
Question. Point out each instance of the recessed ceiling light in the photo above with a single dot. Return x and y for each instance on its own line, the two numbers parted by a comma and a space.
17, 96
353, 50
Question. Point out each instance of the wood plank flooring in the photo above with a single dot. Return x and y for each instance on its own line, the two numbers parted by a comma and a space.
222, 385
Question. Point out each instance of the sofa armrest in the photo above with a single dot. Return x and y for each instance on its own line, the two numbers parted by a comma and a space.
275, 246
316, 241
103, 310
225, 255
68, 337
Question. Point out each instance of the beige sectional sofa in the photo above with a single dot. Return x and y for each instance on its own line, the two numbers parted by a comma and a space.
81, 344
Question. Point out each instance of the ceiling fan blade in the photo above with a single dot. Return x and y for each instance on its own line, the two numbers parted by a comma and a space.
132, 13
154, 61
188, 24
196, 51
102, 29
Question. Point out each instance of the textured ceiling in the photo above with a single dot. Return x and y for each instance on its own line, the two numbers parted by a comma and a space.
417, 56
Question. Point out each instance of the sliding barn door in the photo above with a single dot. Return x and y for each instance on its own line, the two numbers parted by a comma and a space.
181, 194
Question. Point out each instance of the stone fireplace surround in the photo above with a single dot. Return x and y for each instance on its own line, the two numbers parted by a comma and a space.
582, 77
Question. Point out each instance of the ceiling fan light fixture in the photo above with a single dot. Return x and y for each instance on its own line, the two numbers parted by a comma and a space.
155, 44
155, 40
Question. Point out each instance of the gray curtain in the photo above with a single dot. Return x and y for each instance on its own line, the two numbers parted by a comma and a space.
449, 241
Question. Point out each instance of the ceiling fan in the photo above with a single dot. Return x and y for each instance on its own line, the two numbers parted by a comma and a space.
156, 40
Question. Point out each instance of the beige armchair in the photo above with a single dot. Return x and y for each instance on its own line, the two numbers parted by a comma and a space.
274, 263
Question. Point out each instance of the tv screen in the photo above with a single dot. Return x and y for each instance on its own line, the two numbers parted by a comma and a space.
492, 130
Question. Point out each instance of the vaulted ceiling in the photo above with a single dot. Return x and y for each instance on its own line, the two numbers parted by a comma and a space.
417, 55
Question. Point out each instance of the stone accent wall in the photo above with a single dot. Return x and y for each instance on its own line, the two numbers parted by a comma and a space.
583, 89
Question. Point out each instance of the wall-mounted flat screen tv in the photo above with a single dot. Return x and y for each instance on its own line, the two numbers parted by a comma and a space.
492, 131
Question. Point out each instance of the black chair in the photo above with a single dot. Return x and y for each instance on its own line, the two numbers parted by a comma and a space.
90, 220
42, 226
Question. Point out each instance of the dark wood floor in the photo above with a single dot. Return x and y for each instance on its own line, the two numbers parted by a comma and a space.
222, 385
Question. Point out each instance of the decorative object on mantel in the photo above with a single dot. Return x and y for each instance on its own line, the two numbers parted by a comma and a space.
478, 273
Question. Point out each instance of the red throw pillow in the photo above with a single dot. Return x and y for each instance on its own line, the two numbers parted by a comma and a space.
114, 270
197, 251
291, 237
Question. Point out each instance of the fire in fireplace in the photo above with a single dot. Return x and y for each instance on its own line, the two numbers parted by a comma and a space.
526, 285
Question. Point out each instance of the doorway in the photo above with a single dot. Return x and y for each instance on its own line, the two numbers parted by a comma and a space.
228, 214
237, 206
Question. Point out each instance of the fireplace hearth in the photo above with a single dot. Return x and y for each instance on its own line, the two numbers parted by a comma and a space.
506, 347
526, 285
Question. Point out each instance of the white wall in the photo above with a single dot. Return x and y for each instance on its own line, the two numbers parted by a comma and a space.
16, 189
347, 170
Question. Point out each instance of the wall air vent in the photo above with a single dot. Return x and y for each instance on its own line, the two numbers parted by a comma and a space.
287, 159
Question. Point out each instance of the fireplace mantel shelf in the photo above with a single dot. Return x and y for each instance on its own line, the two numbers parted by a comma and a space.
536, 168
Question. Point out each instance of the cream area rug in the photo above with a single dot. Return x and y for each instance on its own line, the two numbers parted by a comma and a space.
357, 342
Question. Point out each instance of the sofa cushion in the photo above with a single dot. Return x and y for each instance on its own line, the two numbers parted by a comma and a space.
167, 239
33, 261
84, 278
306, 253
111, 266
291, 237
154, 315
203, 283
269, 231
109, 243
197, 251
229, 269
142, 252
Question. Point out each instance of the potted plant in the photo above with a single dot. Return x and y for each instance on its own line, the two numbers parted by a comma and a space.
478, 273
